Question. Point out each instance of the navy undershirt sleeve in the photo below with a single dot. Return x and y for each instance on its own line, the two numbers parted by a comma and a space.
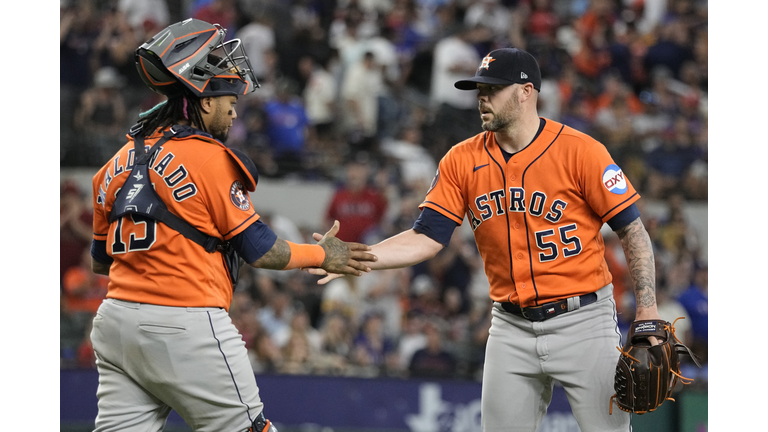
624, 217
435, 226
254, 242
99, 252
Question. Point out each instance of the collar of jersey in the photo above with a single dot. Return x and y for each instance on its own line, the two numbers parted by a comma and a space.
185, 131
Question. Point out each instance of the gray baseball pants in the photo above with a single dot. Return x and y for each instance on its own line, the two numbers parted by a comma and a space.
524, 359
153, 359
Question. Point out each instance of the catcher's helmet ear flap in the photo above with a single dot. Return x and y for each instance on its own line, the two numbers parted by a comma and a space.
191, 54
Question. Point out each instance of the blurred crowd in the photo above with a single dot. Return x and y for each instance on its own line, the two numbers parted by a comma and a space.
359, 94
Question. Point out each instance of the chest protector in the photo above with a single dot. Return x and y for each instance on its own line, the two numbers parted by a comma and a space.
138, 196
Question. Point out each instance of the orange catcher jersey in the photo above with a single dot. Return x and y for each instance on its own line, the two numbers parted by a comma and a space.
536, 218
199, 182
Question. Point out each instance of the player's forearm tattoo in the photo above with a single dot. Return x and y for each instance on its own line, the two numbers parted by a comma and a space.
642, 268
336, 254
276, 258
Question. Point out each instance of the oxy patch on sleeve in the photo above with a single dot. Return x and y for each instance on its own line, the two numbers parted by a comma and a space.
613, 180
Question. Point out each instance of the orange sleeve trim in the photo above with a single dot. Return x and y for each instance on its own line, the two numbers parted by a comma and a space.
304, 255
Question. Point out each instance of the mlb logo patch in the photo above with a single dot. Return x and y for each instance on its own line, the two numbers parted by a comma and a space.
238, 196
613, 180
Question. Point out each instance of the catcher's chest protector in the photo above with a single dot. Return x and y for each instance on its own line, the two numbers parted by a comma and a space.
646, 375
138, 197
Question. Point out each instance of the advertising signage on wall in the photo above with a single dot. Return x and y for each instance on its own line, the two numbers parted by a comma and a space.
337, 403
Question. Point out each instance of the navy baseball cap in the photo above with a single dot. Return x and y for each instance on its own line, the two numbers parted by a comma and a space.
504, 66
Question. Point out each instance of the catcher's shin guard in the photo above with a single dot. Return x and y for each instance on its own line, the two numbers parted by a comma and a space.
261, 424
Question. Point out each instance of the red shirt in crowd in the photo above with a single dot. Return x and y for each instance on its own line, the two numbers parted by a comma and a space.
357, 212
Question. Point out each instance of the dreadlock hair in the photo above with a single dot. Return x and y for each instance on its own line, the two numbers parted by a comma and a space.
179, 107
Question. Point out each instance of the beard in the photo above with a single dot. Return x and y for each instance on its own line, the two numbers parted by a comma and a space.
503, 118
219, 127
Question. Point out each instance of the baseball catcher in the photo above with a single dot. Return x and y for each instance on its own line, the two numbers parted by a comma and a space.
647, 374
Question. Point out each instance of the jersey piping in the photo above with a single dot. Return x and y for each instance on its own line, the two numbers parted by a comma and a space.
525, 217
618, 205
506, 205
452, 213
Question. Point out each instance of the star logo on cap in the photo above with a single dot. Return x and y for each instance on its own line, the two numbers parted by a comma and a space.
486, 62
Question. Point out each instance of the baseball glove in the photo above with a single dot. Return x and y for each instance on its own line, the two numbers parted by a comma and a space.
646, 375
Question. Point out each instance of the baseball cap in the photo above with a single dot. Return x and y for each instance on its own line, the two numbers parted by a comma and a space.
504, 66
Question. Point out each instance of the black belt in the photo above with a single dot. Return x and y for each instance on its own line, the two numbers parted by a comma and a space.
548, 310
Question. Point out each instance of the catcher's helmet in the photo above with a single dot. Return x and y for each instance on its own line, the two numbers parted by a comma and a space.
191, 53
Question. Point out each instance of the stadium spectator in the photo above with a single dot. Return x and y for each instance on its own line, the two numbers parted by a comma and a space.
432, 361
276, 315
140, 13
454, 266
695, 300
412, 337
384, 293
417, 166
265, 356
648, 126
670, 309
675, 233
287, 127
319, 96
306, 295
425, 296
479, 326
300, 344
78, 30
494, 15
668, 163
651, 15
671, 50
335, 345
594, 30
100, 118
542, 21
222, 12
114, 47
243, 312
86, 357
297, 356
362, 85
372, 350
258, 37
701, 54
454, 57
357, 206
75, 226
84, 290
299, 324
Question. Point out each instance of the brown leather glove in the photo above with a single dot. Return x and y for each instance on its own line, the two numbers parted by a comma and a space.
646, 375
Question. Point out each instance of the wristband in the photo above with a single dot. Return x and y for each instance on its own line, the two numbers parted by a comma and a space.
305, 255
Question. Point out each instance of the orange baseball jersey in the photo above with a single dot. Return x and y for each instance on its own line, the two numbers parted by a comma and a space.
536, 218
198, 181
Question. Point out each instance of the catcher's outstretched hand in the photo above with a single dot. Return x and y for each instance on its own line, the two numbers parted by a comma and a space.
342, 257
